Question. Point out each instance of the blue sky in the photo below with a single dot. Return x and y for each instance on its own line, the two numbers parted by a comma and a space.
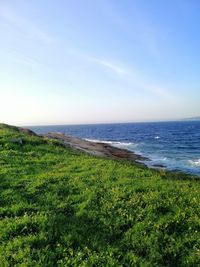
96, 61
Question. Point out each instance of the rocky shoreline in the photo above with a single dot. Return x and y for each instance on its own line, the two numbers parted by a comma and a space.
95, 148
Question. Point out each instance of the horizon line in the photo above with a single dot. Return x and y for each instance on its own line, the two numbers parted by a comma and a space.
105, 123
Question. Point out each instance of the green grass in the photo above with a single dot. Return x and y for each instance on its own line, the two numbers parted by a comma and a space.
59, 207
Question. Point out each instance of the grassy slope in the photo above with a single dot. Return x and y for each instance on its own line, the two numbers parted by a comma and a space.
63, 208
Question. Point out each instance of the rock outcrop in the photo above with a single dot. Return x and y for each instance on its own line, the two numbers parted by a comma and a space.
95, 148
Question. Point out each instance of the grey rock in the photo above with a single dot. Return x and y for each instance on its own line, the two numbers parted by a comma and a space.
95, 148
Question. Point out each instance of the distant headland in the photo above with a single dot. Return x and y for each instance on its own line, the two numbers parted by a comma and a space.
192, 119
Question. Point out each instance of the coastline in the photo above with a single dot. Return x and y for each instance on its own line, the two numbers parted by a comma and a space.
96, 148
105, 150
100, 149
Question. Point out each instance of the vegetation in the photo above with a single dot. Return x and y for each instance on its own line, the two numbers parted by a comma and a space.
59, 207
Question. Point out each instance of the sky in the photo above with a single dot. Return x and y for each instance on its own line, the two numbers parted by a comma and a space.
98, 61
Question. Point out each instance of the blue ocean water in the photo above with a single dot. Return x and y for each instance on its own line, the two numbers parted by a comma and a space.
174, 145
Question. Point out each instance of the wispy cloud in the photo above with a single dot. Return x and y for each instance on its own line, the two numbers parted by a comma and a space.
111, 66
134, 77
23, 25
130, 76
145, 33
138, 81
161, 91
106, 64
27, 61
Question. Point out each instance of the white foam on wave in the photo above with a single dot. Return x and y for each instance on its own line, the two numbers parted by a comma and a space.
157, 137
194, 163
114, 143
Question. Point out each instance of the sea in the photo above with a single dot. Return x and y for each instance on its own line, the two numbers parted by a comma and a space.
168, 145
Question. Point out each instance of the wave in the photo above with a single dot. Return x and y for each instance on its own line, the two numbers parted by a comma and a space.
154, 161
114, 143
194, 163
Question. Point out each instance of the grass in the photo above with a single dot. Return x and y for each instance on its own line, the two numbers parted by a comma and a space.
59, 207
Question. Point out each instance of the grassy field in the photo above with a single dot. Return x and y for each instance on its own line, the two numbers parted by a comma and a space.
59, 207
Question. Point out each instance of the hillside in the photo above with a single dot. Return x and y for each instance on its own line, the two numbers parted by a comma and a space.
62, 207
